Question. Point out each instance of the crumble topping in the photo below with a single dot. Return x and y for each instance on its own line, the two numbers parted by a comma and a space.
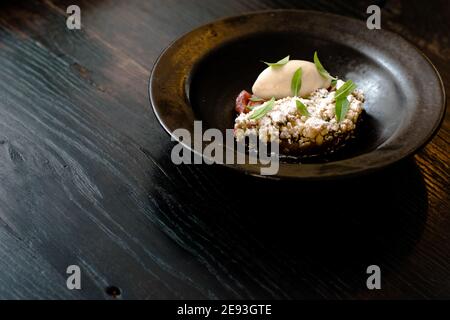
284, 123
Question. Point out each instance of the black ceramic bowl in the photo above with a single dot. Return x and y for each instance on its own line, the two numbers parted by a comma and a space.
199, 76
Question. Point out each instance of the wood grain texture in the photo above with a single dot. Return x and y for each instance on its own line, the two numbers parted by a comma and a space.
86, 176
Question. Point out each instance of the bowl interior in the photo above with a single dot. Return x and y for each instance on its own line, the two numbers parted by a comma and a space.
218, 78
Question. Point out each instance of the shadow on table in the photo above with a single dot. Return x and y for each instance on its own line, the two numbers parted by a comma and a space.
366, 215
316, 238
341, 227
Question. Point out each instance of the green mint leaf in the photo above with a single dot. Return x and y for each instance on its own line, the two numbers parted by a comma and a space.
302, 108
256, 99
262, 110
346, 89
324, 73
342, 106
296, 82
280, 63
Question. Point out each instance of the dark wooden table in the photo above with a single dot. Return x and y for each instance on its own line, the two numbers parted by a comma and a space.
86, 176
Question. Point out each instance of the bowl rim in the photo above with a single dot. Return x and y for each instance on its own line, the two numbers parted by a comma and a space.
254, 169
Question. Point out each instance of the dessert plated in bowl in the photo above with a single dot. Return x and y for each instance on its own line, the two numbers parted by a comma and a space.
393, 111
299, 105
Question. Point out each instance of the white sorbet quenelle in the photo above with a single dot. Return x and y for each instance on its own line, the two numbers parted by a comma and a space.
276, 81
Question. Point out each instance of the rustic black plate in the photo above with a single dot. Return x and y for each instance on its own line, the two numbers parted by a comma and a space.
199, 76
